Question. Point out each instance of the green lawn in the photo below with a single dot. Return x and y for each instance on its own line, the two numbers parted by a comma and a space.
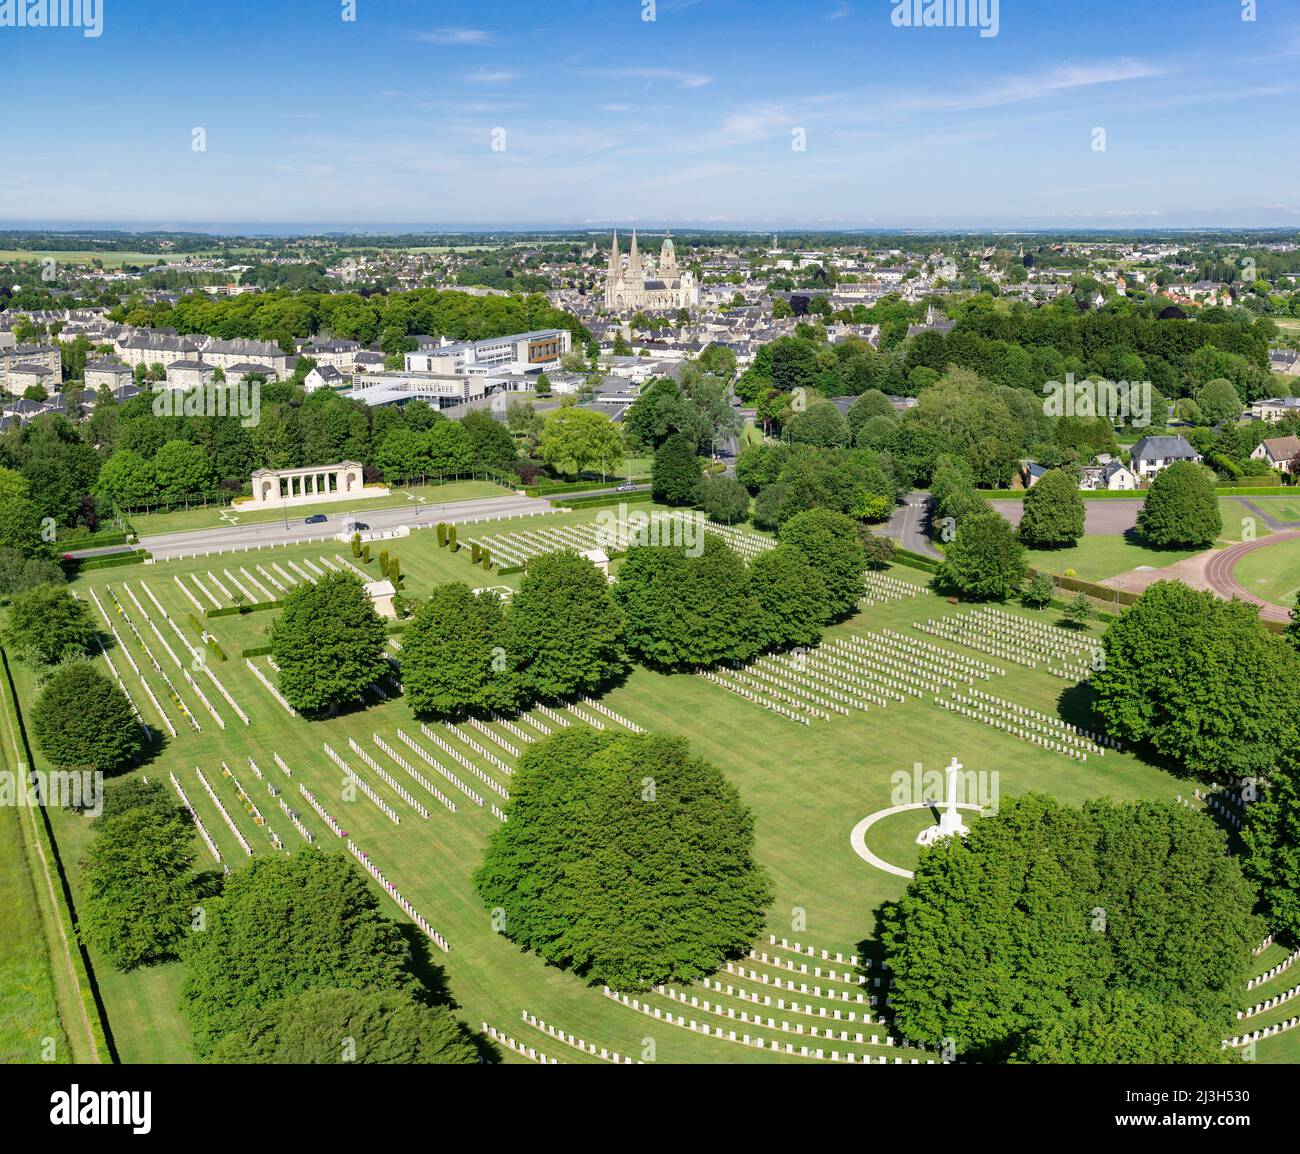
214, 517
808, 786
1272, 573
1099, 556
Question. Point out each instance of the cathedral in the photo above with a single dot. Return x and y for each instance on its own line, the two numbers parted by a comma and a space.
643, 286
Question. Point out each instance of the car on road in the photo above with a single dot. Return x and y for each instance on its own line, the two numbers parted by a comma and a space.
356, 527
317, 519
626, 487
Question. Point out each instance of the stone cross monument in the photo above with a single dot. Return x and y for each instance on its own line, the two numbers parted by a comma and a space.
950, 823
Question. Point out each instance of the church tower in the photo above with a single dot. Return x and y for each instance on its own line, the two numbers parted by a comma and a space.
635, 274
614, 276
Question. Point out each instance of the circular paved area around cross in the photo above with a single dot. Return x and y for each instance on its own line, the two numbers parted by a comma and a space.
1219, 573
858, 838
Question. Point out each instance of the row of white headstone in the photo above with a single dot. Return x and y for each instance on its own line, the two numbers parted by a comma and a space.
519, 1048
1269, 975
412, 772
230, 822
198, 821
797, 987
356, 779
792, 1006
321, 812
758, 699
387, 778
271, 689
394, 893
157, 666
446, 746
601, 1052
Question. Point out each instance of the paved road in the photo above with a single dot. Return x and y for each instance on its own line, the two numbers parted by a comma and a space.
1218, 572
908, 525
275, 533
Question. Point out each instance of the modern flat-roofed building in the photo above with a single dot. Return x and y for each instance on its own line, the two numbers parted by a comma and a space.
441, 390
518, 351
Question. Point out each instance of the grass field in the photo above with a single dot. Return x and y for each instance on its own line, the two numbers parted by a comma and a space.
808, 786
86, 256
214, 517
1272, 573
1099, 556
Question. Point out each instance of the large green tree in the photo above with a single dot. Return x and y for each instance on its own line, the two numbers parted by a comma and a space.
454, 657
789, 597
1271, 840
282, 925
984, 561
578, 440
564, 633
47, 625
1200, 680
1181, 509
1053, 516
625, 859
1043, 909
833, 546
675, 474
138, 874
83, 721
322, 1027
329, 644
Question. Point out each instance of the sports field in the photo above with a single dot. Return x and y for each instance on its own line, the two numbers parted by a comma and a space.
1272, 573
807, 784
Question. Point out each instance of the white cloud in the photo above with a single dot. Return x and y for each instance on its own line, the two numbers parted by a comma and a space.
456, 36
673, 75
492, 76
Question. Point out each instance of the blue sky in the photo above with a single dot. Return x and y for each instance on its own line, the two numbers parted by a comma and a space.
685, 119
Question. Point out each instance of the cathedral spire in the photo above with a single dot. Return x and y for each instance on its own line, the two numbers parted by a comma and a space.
615, 265
634, 261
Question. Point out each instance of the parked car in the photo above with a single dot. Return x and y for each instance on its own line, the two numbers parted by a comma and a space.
317, 519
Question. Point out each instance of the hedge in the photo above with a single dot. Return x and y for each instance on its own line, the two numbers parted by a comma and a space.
1221, 489
93, 540
1100, 592
111, 561
253, 607
916, 560
94, 1011
212, 643
256, 651
610, 499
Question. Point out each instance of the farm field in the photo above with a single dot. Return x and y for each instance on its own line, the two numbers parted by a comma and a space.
808, 785
87, 256
217, 517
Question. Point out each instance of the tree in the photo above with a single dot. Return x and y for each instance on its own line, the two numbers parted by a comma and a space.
490, 444
872, 403
1269, 839
48, 625
722, 498
1040, 591
1181, 510
575, 440
128, 480
675, 473
1121, 1028
181, 469
83, 721
879, 549
1042, 908
833, 546
1053, 516
543, 385
329, 1026
820, 424
20, 518
329, 643
328, 932
138, 875
625, 859
1080, 610
453, 654
564, 633
1218, 401
685, 611
985, 561
1200, 680
19, 573
789, 597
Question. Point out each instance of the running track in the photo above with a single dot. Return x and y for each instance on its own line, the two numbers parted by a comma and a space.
1218, 572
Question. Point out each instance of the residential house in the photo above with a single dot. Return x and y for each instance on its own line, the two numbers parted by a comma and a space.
1281, 453
1151, 455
